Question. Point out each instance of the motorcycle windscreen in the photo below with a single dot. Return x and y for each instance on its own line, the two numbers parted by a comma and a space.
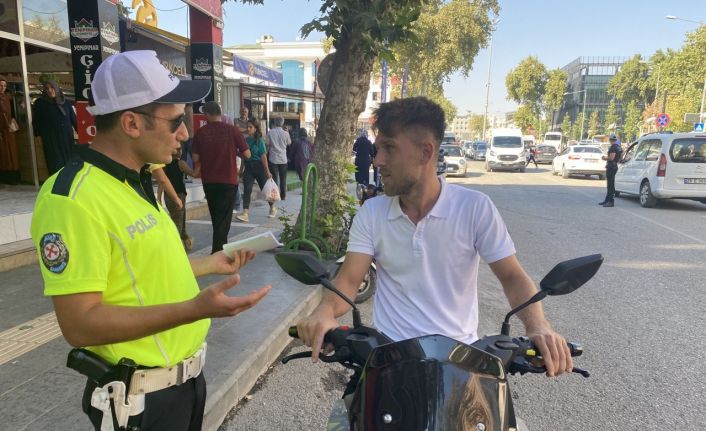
431, 383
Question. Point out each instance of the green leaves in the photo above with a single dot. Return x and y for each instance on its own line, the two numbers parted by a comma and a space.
526, 83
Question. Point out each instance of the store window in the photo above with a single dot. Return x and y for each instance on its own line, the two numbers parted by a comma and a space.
8, 16
46, 21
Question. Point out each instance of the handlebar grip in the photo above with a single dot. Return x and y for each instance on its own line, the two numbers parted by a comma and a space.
293, 332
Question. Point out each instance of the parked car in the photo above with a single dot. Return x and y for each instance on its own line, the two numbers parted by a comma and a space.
579, 160
664, 166
478, 150
467, 148
455, 160
545, 153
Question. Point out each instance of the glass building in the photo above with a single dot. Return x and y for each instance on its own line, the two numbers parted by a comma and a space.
588, 77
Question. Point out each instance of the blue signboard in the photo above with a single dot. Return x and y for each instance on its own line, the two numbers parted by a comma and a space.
258, 71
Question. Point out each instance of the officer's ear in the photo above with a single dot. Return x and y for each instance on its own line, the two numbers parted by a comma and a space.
131, 124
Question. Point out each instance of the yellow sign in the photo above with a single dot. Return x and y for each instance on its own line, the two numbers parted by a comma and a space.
146, 12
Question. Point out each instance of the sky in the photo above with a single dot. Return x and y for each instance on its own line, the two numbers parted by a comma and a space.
555, 31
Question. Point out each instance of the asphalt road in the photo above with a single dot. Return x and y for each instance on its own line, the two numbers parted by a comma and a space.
640, 319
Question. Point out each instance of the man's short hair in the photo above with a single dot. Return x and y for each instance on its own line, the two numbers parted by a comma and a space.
107, 122
413, 112
212, 108
279, 121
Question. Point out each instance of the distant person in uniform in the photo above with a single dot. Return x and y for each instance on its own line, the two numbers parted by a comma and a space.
611, 168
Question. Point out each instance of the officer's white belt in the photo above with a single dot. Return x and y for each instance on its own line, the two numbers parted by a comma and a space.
149, 380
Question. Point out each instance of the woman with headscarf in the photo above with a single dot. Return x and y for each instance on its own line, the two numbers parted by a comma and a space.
9, 159
54, 121
302, 150
363, 157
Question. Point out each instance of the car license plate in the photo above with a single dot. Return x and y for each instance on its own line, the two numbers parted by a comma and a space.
592, 160
694, 180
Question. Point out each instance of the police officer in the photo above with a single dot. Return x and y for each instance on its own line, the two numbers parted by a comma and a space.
611, 168
112, 261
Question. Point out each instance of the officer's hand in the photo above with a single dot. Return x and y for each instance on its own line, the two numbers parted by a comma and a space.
220, 263
313, 328
213, 301
554, 350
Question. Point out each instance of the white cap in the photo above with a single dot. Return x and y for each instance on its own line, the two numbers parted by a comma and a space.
135, 78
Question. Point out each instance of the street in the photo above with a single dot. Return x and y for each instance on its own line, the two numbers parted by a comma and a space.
640, 319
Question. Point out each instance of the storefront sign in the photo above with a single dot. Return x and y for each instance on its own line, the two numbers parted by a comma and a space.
258, 71
207, 63
88, 51
172, 58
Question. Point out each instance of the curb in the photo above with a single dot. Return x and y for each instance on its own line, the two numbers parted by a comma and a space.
244, 375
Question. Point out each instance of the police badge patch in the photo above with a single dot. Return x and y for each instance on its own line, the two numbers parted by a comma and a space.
55, 255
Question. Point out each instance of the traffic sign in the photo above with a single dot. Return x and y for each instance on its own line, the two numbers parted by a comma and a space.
698, 127
663, 120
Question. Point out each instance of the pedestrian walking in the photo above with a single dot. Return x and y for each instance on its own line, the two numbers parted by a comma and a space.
278, 140
363, 157
54, 121
9, 156
216, 146
531, 158
124, 291
175, 172
254, 169
611, 168
302, 150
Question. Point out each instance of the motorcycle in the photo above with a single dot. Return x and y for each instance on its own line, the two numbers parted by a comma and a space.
431, 382
367, 286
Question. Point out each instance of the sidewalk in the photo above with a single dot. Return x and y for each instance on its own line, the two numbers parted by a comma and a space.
38, 392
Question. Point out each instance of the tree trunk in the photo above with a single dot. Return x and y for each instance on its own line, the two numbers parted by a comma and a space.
345, 100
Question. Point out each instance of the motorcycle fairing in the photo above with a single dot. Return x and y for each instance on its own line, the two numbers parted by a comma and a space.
431, 383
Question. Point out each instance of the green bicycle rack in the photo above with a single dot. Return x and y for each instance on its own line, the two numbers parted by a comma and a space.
307, 216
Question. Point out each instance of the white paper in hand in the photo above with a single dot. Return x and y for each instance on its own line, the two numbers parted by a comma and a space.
258, 243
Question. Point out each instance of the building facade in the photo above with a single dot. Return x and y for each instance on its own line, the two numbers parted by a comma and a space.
298, 64
587, 86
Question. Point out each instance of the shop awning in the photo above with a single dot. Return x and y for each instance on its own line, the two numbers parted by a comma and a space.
285, 93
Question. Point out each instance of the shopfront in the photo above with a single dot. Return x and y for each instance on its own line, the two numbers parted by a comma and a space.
34, 47
39, 50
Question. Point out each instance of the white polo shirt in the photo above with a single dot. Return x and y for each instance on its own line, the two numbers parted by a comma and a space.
428, 273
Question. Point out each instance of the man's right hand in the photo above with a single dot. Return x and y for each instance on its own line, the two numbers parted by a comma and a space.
213, 301
313, 328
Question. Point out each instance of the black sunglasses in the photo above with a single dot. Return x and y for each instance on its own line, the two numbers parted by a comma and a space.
175, 122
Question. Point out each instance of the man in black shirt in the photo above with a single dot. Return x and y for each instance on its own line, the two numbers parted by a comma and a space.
611, 168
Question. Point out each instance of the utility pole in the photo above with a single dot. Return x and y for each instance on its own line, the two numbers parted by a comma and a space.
487, 84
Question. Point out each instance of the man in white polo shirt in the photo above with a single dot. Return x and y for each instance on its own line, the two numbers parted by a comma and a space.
427, 238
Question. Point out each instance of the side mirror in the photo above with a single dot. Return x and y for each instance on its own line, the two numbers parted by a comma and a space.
564, 278
569, 275
303, 267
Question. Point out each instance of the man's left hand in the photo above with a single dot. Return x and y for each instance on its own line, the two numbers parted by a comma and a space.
554, 350
220, 263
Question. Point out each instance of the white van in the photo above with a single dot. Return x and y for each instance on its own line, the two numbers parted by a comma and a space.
664, 166
505, 150
554, 139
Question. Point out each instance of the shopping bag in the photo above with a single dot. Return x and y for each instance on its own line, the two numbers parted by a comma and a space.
271, 191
